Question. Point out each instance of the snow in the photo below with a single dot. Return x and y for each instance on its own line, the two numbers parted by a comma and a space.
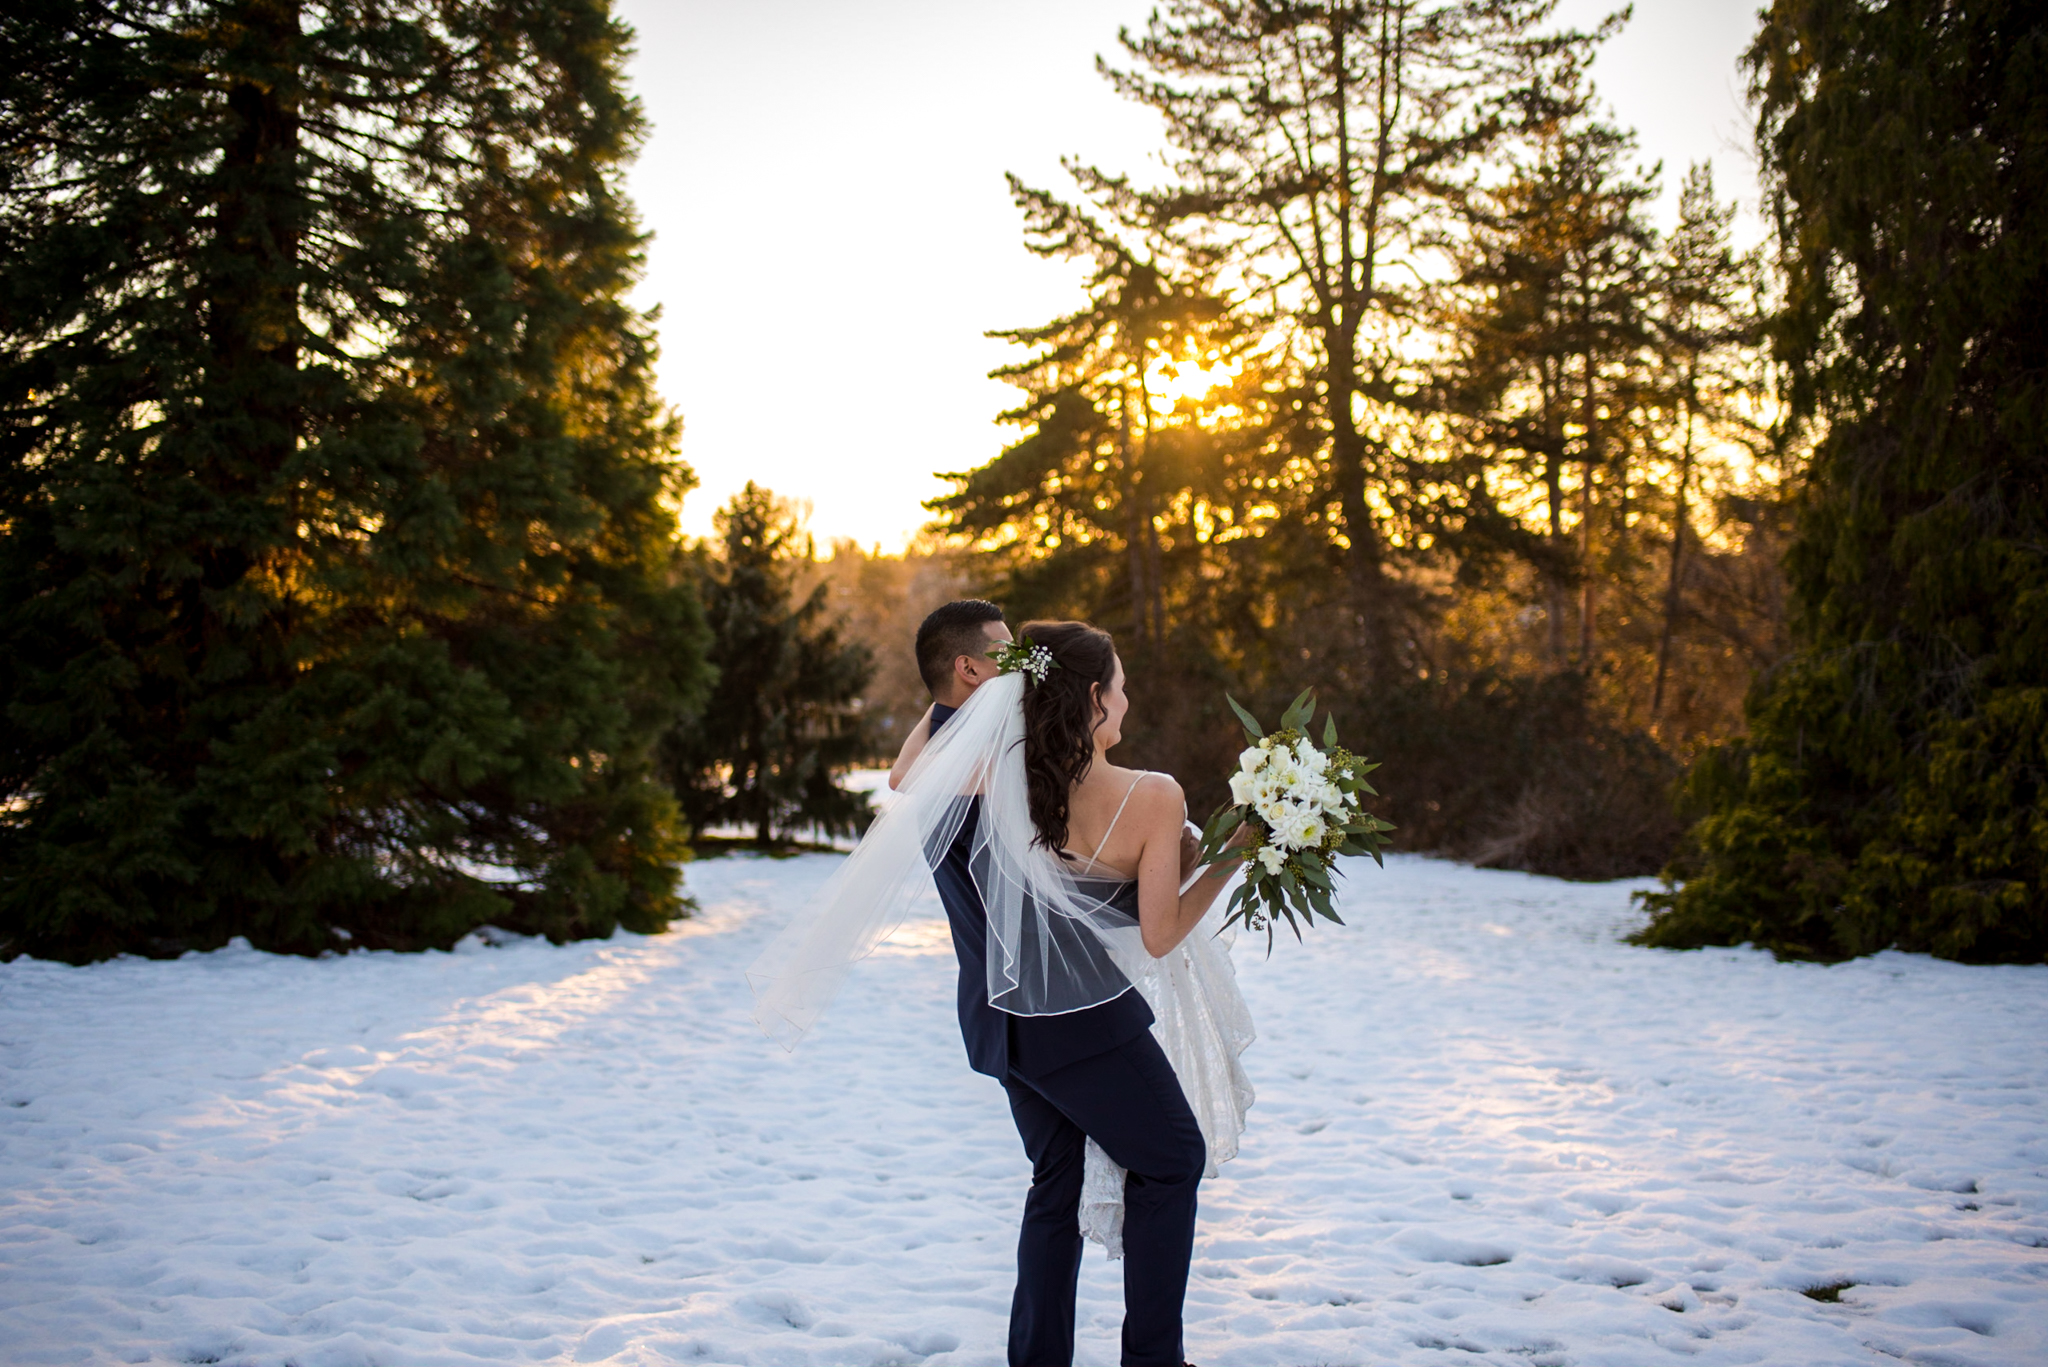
1487, 1132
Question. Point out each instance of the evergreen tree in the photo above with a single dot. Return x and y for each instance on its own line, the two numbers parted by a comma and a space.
784, 716
1890, 791
338, 578
1549, 341
1148, 447
1162, 485
1714, 384
1612, 389
1316, 148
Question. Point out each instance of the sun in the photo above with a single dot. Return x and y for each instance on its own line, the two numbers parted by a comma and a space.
1168, 381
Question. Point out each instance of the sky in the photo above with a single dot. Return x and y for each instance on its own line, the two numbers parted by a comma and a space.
833, 236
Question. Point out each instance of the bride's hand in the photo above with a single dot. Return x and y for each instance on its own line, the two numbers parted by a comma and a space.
1190, 848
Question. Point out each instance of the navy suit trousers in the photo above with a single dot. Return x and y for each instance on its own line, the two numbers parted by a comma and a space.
1096, 1072
1129, 1100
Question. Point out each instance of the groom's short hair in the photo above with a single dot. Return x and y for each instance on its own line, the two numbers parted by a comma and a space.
950, 632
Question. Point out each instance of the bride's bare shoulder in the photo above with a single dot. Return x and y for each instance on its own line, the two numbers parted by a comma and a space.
1153, 791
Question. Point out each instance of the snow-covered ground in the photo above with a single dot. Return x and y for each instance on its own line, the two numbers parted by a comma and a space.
1487, 1132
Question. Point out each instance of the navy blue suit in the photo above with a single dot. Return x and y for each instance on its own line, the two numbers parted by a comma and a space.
1095, 1073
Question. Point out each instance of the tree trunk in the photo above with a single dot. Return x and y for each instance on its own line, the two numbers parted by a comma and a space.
253, 297
1135, 520
1148, 538
1155, 579
1589, 590
1553, 489
252, 294
234, 626
1679, 522
1364, 559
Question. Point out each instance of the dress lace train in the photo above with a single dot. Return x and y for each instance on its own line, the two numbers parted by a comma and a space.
1202, 1025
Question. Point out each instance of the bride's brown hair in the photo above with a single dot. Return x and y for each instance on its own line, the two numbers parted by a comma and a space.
1061, 712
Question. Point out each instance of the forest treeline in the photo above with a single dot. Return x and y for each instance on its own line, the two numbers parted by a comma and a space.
344, 602
1624, 550
1391, 387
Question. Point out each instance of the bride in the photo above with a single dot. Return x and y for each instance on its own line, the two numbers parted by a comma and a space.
1121, 817
1076, 928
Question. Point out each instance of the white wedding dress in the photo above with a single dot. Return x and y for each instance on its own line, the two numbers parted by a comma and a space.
1202, 1025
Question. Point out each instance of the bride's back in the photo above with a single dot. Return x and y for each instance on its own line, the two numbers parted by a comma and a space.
1074, 711
1102, 837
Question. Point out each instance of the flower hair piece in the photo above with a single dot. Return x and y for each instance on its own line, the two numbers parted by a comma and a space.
1024, 656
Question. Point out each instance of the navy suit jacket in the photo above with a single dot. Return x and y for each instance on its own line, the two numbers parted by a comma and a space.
998, 1042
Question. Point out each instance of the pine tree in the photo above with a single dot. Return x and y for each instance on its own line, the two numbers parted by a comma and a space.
1893, 787
1714, 383
1316, 149
1162, 485
1550, 341
1124, 477
338, 577
783, 719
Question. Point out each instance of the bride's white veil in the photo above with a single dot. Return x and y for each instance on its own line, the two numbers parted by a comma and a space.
1054, 944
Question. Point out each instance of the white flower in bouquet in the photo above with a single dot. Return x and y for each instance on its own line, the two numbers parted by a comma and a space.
1290, 827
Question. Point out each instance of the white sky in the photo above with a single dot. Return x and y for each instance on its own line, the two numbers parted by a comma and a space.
832, 233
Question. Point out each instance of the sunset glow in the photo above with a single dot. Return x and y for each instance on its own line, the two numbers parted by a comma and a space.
1168, 381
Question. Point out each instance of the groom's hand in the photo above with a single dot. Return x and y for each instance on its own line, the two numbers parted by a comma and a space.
1190, 849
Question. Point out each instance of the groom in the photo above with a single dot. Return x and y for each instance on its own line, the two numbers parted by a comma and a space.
1094, 1073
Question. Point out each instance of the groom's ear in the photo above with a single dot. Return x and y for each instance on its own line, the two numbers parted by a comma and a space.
971, 670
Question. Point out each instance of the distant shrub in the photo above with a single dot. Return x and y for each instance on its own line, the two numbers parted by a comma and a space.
1522, 773
1511, 773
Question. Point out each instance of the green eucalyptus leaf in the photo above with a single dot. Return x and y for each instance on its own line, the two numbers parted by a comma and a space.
1251, 723
1295, 718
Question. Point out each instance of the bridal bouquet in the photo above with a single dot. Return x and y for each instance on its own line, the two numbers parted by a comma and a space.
1303, 807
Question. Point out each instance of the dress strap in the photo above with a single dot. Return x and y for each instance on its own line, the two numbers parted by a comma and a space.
1096, 857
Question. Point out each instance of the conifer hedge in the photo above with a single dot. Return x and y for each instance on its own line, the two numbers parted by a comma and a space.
340, 600
1893, 787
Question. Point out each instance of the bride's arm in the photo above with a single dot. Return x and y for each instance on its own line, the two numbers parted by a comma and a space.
1165, 913
913, 746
